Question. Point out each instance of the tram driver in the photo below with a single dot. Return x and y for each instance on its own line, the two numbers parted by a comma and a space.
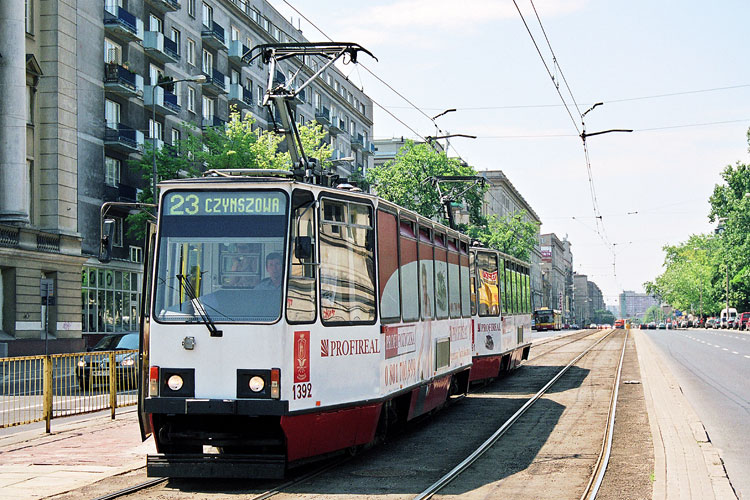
274, 271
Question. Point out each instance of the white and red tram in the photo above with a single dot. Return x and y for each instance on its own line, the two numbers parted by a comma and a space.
286, 321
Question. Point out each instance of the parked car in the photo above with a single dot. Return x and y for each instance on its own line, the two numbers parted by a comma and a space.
669, 325
93, 368
662, 326
593, 325
652, 325
642, 326
717, 323
743, 321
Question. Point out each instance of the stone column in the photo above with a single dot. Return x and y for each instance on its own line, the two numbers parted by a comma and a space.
13, 173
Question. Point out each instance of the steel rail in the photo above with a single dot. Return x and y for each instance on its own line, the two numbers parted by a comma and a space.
592, 488
132, 489
484, 447
583, 336
261, 496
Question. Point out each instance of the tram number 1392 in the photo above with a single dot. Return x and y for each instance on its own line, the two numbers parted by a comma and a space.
302, 391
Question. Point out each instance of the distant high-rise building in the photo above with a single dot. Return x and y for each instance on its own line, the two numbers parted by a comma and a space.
635, 305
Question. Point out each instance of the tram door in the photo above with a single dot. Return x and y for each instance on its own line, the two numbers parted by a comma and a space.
145, 328
301, 303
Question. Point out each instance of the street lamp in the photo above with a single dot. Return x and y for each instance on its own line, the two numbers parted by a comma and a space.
196, 79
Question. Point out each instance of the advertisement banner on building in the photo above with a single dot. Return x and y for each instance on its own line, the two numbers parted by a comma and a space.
546, 253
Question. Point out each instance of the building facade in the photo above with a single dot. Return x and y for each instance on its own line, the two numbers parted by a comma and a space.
557, 275
588, 299
94, 83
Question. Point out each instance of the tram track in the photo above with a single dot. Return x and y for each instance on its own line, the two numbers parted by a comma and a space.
594, 483
149, 489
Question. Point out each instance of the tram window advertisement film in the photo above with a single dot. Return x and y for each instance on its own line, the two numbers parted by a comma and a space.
221, 255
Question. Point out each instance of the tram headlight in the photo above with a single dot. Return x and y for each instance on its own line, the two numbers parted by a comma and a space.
256, 383
175, 382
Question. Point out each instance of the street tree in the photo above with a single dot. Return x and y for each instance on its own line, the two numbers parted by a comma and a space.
408, 180
511, 234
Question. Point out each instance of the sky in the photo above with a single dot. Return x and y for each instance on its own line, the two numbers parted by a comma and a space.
675, 72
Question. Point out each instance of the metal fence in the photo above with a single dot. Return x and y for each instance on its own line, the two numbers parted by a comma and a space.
40, 388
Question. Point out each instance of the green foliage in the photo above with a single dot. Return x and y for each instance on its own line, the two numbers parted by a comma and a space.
238, 144
510, 234
405, 180
653, 313
604, 317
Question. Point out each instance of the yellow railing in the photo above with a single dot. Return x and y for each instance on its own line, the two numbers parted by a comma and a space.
40, 388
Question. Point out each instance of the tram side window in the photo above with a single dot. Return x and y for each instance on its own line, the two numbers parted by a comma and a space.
528, 292
454, 281
465, 294
488, 290
441, 278
473, 282
516, 293
408, 267
347, 281
390, 300
508, 308
301, 296
426, 275
503, 286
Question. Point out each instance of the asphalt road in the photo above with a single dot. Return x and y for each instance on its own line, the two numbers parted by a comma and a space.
713, 369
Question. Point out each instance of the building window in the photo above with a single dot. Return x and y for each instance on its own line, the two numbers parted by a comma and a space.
317, 102
136, 254
30, 17
260, 93
111, 114
174, 34
208, 62
255, 16
29, 105
154, 72
29, 193
176, 91
208, 108
191, 100
112, 52
154, 129
235, 33
111, 171
191, 8
175, 138
208, 15
191, 52
155, 24
266, 25
234, 77
111, 299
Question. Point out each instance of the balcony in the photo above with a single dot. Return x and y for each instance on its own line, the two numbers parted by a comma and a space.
127, 193
358, 142
160, 48
237, 49
122, 24
213, 36
164, 6
216, 82
369, 149
212, 121
160, 99
298, 99
121, 81
337, 126
240, 96
323, 116
122, 138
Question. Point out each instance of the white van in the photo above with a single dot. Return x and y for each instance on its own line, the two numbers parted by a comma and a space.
727, 321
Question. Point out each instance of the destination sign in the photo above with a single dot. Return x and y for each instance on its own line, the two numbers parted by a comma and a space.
225, 203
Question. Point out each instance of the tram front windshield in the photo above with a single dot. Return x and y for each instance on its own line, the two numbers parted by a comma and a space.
221, 253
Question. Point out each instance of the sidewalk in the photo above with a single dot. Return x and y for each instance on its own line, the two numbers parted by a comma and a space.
36, 465
687, 466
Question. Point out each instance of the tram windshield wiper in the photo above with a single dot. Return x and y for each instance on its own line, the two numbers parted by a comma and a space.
199, 306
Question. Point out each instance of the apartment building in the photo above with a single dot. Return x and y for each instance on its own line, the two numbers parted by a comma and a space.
96, 86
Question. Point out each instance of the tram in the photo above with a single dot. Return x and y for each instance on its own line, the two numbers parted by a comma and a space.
286, 318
